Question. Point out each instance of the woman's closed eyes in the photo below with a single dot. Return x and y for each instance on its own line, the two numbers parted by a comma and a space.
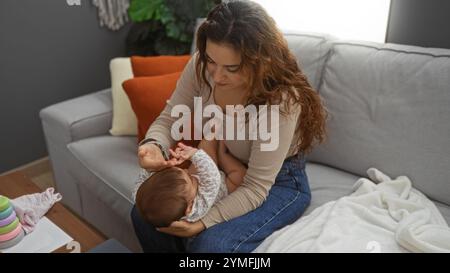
230, 68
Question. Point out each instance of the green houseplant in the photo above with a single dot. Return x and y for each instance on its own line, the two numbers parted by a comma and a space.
164, 27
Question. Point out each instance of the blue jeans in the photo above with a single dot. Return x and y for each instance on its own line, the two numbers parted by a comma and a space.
287, 200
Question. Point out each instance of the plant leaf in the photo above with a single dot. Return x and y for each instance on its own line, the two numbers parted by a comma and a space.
143, 10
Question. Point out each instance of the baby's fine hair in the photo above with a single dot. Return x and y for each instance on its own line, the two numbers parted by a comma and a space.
162, 198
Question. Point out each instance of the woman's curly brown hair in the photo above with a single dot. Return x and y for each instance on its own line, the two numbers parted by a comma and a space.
270, 67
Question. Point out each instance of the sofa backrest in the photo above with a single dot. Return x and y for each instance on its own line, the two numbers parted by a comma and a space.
311, 51
389, 108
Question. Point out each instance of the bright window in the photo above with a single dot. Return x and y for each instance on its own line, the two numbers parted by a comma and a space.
346, 19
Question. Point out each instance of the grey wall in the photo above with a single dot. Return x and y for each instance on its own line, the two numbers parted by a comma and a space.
49, 52
420, 22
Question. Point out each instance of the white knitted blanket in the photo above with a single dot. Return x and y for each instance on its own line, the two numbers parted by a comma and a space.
382, 215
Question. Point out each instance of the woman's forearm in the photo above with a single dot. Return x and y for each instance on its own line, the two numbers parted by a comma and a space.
185, 90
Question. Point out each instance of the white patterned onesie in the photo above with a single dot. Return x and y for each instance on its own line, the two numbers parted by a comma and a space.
211, 185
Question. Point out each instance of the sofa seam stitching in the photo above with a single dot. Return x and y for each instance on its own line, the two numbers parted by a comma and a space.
72, 124
393, 50
322, 73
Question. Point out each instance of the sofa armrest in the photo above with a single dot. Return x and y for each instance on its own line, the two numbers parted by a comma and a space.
82, 117
69, 121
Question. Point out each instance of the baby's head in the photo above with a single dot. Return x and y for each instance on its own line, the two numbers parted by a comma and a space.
166, 196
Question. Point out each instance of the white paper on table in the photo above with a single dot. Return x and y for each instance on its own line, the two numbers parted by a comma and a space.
45, 238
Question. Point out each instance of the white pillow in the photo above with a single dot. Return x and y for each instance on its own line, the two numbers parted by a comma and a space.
124, 120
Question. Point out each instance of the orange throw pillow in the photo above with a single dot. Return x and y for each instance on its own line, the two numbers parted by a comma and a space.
148, 96
158, 65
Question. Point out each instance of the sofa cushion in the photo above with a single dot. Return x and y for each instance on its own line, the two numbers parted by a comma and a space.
389, 109
329, 184
311, 51
158, 65
444, 209
107, 166
148, 96
124, 121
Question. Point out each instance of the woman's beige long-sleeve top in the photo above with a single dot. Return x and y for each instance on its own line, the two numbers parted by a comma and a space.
263, 166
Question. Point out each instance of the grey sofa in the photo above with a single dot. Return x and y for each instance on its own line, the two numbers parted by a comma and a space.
389, 108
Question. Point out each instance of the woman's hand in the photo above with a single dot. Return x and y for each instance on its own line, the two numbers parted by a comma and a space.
151, 158
182, 153
183, 228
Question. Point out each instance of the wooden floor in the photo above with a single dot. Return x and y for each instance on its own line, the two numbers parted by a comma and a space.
16, 184
38, 176
39, 171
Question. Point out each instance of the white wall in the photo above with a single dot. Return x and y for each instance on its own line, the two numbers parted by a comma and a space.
345, 19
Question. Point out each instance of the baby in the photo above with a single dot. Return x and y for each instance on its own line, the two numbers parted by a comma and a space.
174, 193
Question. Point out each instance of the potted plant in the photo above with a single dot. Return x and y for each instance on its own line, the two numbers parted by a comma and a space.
164, 27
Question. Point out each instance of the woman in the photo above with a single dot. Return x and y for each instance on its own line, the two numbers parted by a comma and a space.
242, 59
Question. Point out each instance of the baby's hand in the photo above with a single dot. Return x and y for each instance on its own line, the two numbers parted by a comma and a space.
182, 153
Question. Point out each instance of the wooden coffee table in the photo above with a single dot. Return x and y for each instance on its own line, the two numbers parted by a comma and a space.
17, 184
